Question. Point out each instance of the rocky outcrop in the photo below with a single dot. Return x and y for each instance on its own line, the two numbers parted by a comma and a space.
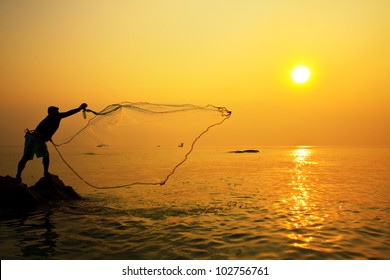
17, 196
53, 189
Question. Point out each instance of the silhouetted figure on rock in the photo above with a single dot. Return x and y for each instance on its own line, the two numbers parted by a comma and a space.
35, 140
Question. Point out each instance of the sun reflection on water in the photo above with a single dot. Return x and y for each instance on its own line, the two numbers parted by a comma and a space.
305, 220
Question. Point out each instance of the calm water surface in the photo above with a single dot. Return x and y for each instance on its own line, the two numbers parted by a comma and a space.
282, 203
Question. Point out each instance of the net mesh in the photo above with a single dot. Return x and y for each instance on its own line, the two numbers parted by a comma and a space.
140, 143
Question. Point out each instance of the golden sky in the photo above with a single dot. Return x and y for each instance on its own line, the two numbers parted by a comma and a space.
237, 54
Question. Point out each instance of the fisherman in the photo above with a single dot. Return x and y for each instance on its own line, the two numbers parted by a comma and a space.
35, 140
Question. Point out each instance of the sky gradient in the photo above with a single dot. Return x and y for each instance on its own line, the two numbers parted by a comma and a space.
237, 54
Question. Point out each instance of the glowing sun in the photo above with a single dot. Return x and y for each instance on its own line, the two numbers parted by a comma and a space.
300, 74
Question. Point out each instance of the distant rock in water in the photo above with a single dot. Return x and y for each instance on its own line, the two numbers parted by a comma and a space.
244, 151
17, 196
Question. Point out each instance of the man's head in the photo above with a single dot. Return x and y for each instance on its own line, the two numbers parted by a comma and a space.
52, 110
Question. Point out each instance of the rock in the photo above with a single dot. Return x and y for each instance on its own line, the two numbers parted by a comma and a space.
53, 189
244, 151
17, 196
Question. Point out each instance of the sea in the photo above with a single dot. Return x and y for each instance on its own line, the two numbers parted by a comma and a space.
282, 203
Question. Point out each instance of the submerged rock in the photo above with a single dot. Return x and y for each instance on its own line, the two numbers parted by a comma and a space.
17, 196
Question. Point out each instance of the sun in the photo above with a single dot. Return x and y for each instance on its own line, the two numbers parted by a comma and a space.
300, 74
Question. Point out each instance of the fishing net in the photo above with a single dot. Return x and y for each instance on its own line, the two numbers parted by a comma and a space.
129, 144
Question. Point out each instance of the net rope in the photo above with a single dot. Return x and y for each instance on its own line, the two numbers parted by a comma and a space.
169, 109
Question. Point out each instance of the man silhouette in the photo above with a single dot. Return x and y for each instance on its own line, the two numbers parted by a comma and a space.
35, 141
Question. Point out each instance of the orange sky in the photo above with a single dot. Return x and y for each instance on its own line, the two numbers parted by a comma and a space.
237, 54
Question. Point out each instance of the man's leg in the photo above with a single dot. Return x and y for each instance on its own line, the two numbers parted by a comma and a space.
28, 154
46, 162
21, 166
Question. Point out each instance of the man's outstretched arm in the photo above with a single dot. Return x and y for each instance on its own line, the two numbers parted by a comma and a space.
73, 111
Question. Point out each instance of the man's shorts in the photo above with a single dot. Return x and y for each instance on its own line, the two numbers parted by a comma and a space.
34, 145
